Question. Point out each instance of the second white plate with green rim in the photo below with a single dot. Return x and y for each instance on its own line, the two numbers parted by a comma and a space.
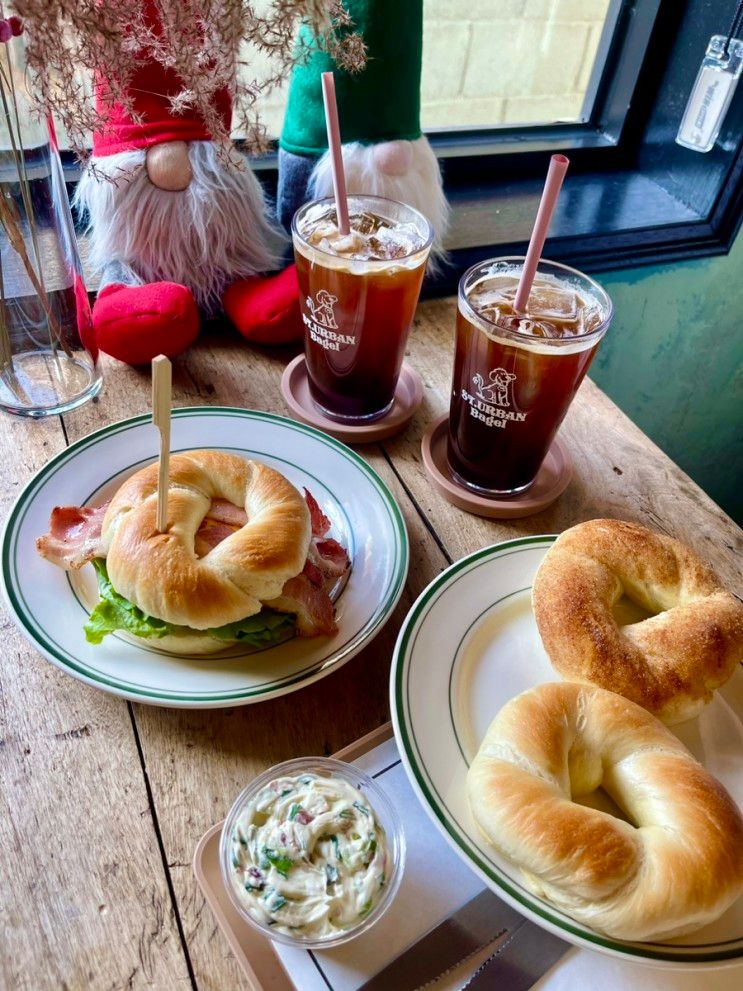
50, 606
468, 645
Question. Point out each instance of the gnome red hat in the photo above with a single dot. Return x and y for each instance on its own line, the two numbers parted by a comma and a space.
152, 120
173, 223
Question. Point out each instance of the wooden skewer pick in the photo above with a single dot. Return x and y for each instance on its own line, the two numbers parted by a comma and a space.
161, 393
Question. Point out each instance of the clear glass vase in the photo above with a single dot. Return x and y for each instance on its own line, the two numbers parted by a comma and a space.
48, 358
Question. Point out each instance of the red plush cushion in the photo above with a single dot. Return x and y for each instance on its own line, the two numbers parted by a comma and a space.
266, 310
136, 323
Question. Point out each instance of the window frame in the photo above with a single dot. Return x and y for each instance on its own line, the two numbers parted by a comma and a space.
617, 64
696, 213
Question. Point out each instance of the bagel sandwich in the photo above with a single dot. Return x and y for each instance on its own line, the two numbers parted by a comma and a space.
245, 557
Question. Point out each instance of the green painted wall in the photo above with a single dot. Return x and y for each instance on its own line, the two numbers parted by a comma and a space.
673, 361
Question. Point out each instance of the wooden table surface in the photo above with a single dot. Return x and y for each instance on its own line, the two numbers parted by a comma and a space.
103, 800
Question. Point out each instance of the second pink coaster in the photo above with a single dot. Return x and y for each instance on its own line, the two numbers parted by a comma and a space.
296, 392
552, 480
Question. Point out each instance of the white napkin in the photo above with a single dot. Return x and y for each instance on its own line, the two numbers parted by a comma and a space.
436, 883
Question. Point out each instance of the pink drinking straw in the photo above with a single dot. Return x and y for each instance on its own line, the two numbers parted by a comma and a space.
334, 145
553, 183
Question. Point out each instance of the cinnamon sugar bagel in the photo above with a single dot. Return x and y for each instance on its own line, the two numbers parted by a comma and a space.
674, 867
669, 663
162, 573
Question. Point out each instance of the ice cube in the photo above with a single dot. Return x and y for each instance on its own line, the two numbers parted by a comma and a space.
539, 328
494, 295
492, 301
389, 243
411, 234
325, 229
552, 303
365, 223
349, 245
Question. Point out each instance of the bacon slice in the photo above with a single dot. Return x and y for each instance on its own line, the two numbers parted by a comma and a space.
211, 533
313, 573
311, 605
223, 518
222, 511
74, 536
320, 522
330, 557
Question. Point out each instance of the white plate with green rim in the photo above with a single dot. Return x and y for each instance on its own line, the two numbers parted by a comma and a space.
49, 604
468, 645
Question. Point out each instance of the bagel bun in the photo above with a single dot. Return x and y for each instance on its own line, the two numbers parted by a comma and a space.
674, 867
161, 573
669, 663
189, 643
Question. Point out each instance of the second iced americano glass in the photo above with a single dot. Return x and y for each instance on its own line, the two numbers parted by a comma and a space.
515, 374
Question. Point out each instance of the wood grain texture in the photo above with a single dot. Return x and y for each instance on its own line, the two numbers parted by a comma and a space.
196, 762
84, 899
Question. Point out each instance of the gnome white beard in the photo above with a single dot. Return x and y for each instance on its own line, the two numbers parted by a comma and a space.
204, 237
419, 185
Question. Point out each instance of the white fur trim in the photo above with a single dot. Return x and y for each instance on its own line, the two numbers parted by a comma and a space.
205, 237
420, 187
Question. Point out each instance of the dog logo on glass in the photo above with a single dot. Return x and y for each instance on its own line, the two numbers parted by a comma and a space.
495, 390
321, 308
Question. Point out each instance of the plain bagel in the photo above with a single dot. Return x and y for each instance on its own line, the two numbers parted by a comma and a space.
678, 868
669, 663
162, 573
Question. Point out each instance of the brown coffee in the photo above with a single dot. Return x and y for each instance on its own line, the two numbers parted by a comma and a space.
358, 296
515, 374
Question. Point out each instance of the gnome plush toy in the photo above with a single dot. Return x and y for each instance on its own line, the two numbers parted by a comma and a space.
173, 227
384, 150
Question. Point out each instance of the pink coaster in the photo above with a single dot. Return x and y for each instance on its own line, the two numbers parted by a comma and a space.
296, 392
551, 482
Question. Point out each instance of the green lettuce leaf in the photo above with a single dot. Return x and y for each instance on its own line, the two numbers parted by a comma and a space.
266, 627
114, 612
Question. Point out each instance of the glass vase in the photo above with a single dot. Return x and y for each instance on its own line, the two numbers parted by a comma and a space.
48, 358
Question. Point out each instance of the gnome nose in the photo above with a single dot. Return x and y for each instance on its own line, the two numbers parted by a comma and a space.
393, 157
168, 166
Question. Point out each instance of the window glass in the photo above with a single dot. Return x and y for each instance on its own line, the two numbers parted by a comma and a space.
506, 62
498, 62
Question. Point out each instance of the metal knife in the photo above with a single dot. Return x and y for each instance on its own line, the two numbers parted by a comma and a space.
470, 928
526, 954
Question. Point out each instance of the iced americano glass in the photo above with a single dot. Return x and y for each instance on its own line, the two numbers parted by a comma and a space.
515, 374
358, 294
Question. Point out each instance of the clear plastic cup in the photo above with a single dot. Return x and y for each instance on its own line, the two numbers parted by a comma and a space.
514, 378
387, 818
357, 311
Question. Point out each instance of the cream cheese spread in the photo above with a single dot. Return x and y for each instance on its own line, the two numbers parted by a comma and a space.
309, 856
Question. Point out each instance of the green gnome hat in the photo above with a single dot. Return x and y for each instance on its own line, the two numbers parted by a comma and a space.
384, 152
379, 103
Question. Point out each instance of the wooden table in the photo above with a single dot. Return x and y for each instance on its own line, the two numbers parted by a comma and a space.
103, 801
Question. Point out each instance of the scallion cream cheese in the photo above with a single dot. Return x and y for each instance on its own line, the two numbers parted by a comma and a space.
308, 856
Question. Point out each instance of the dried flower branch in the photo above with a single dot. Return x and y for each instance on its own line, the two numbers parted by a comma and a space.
202, 40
